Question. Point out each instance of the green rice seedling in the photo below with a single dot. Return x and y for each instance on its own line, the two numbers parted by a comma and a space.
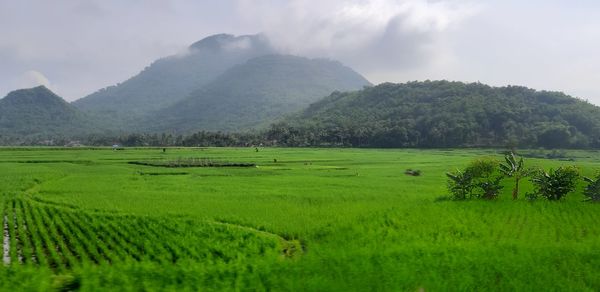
28, 252
55, 257
71, 240
59, 240
41, 252
95, 245
290, 226
86, 245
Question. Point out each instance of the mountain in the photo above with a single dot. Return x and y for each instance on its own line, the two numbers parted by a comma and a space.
173, 78
444, 114
256, 93
38, 112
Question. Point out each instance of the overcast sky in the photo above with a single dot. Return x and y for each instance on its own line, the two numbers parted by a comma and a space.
76, 47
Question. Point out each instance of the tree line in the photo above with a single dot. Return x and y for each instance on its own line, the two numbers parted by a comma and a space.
430, 114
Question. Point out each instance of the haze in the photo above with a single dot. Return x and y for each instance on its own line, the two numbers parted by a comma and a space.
77, 47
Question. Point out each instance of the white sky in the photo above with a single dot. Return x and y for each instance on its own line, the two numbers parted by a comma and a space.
79, 46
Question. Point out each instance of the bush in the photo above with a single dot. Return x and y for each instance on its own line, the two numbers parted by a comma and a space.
491, 188
486, 178
482, 167
460, 185
555, 184
480, 179
592, 190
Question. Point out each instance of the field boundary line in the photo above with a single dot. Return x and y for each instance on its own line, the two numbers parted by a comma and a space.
290, 246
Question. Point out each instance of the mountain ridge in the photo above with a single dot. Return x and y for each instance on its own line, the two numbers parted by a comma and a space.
257, 92
170, 79
449, 114
39, 112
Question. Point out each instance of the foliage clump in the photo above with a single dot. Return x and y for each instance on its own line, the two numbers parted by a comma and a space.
554, 184
592, 190
514, 168
460, 184
480, 180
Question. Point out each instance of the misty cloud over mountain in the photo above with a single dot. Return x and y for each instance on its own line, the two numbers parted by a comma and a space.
80, 47
367, 34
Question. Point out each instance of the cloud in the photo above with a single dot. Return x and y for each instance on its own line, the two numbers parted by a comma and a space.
33, 78
86, 45
239, 44
367, 34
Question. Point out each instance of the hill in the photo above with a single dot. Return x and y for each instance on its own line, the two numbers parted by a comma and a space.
444, 114
38, 112
256, 94
173, 78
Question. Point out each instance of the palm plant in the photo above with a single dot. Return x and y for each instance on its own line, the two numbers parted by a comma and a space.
592, 190
514, 168
460, 184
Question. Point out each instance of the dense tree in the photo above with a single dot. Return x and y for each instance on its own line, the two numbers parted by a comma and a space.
415, 114
450, 114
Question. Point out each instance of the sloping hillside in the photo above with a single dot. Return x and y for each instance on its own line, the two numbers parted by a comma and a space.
445, 114
38, 112
256, 93
173, 78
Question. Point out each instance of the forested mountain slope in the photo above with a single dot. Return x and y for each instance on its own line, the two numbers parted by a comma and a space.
173, 78
38, 112
444, 114
256, 93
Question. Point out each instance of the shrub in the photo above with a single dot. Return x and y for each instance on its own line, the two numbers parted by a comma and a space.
491, 188
480, 179
482, 167
460, 185
555, 184
486, 178
592, 190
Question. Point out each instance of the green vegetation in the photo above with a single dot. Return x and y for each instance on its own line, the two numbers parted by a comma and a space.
237, 108
304, 219
40, 114
592, 190
223, 83
514, 168
171, 79
255, 94
555, 184
481, 179
444, 114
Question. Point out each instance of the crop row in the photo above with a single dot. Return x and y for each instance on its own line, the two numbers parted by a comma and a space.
39, 234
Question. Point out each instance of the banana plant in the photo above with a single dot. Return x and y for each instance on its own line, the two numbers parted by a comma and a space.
555, 184
460, 184
514, 168
592, 190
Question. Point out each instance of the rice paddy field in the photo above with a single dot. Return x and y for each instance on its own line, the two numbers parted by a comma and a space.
283, 220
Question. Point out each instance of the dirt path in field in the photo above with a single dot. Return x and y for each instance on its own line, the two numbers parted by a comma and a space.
6, 243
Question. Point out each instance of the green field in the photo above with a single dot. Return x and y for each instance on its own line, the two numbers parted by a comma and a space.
300, 219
